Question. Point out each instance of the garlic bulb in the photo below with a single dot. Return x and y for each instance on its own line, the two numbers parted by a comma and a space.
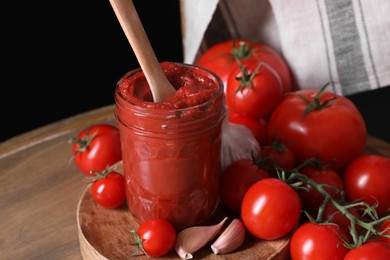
238, 142
230, 239
191, 239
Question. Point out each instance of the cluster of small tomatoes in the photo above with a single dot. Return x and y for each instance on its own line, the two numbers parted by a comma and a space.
95, 149
312, 159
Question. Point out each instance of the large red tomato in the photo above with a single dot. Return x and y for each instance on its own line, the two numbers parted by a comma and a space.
254, 90
96, 147
317, 241
367, 178
221, 59
270, 209
320, 124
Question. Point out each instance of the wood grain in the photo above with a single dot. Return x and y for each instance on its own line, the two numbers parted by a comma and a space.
377, 146
40, 189
56, 129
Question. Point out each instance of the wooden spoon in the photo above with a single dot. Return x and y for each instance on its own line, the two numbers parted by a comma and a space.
131, 24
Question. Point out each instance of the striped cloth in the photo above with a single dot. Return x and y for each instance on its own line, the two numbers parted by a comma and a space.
346, 42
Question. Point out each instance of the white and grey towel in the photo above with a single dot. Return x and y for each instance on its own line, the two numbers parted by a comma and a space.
342, 41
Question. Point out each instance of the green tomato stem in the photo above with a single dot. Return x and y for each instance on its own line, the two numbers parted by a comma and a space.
369, 226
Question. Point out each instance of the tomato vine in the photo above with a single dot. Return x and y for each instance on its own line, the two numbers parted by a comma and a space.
368, 220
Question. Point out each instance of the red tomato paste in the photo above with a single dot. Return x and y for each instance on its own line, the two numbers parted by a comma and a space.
171, 149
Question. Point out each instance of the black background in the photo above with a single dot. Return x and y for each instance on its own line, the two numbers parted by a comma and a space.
65, 57
62, 58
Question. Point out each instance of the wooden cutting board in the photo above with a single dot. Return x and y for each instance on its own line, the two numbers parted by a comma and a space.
105, 234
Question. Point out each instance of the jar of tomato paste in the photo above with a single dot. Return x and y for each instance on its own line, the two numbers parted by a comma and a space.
171, 149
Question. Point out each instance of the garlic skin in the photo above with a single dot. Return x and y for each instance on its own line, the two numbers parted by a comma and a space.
191, 239
230, 239
238, 142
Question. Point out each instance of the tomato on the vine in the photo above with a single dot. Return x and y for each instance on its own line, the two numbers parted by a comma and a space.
222, 57
236, 180
311, 198
367, 178
372, 250
270, 209
319, 124
385, 227
96, 147
155, 237
108, 189
332, 215
253, 90
317, 241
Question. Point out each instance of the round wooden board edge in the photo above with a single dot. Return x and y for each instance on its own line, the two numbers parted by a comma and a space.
88, 251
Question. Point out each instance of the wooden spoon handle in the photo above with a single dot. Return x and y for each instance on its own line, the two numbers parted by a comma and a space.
131, 24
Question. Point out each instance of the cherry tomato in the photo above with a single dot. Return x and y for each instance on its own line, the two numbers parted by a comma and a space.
96, 147
108, 189
279, 153
332, 215
319, 124
385, 227
367, 179
221, 58
156, 237
311, 198
270, 209
317, 241
372, 250
254, 90
236, 180
258, 126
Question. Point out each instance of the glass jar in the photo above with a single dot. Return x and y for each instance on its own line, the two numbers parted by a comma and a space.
171, 156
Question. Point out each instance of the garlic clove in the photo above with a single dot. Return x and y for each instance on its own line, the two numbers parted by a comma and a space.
191, 239
230, 239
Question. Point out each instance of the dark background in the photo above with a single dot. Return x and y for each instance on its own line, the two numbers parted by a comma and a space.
65, 57
62, 58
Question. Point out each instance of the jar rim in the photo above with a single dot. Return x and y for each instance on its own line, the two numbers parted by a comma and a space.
127, 103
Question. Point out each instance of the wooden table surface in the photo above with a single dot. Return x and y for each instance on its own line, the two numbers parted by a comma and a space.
40, 188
